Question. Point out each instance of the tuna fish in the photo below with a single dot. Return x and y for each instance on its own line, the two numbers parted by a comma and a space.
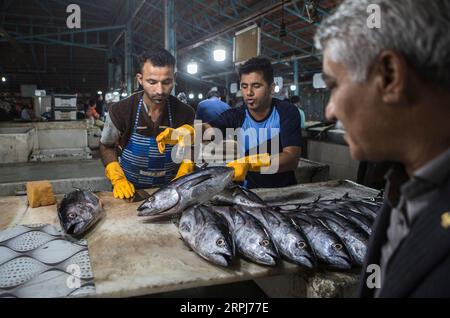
79, 211
195, 188
249, 236
207, 234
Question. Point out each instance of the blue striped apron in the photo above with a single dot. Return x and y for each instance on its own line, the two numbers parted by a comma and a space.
141, 161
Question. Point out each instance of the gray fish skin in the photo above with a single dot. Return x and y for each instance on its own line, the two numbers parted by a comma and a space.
327, 246
354, 238
206, 233
249, 236
78, 211
195, 188
238, 195
291, 244
358, 219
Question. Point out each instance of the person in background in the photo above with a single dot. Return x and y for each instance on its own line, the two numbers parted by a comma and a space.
212, 107
100, 105
91, 111
295, 100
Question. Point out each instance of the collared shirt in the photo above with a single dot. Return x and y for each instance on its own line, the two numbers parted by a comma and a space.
410, 198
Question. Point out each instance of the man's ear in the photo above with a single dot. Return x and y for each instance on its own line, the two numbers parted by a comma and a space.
139, 78
391, 71
272, 88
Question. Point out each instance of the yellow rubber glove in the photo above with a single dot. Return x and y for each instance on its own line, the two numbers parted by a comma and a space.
250, 163
123, 189
186, 167
172, 136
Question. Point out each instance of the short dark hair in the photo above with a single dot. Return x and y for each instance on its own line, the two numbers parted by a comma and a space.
158, 57
295, 99
92, 102
258, 64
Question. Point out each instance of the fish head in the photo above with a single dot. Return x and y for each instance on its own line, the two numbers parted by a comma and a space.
216, 246
298, 249
159, 202
79, 211
262, 249
337, 256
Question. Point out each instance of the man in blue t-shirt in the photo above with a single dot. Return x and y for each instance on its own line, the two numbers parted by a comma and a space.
267, 125
212, 107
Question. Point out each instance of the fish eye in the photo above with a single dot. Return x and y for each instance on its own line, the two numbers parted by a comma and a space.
264, 243
71, 216
301, 245
220, 242
337, 246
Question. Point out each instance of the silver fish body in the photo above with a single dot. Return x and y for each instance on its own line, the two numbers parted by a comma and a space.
195, 188
291, 243
237, 195
326, 245
250, 237
207, 234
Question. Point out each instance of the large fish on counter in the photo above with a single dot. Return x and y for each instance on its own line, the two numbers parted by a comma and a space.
194, 188
250, 237
327, 246
79, 211
207, 234
291, 243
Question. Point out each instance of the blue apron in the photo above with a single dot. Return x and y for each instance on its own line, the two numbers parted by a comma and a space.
141, 161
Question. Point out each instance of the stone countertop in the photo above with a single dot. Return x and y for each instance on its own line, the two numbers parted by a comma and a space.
131, 258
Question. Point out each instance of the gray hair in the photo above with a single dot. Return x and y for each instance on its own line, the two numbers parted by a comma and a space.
417, 29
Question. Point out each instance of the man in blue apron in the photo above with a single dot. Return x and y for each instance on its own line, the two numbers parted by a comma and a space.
128, 144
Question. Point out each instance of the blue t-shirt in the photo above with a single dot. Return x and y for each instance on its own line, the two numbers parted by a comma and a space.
210, 109
280, 129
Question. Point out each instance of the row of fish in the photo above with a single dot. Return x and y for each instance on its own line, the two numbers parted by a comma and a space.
219, 220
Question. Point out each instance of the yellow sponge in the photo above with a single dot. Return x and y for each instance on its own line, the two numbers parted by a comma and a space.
40, 193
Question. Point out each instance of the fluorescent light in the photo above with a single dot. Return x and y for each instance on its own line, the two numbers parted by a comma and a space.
293, 88
3, 79
191, 96
124, 94
192, 67
200, 96
277, 89
99, 92
219, 54
116, 93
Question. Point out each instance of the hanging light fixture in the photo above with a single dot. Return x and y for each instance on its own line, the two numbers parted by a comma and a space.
293, 87
192, 67
191, 96
219, 53
200, 96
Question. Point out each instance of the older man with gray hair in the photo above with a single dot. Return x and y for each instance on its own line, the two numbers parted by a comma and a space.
390, 88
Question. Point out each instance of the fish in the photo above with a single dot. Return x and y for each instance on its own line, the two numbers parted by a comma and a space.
250, 237
238, 195
206, 233
192, 189
291, 243
353, 237
78, 211
326, 245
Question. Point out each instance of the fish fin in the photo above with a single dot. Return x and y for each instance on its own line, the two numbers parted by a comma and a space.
196, 181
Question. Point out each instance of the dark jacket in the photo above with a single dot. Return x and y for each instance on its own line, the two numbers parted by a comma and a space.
421, 265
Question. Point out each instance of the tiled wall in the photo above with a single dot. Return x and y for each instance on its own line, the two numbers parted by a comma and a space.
342, 166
